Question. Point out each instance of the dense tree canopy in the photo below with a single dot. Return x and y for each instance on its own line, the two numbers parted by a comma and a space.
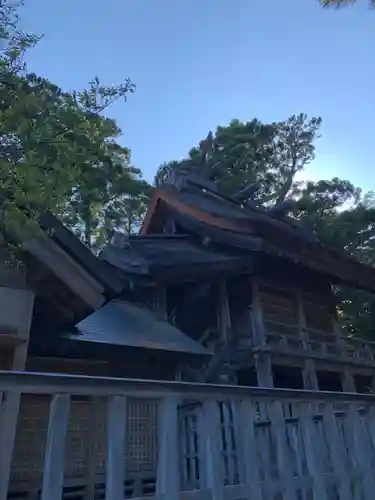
243, 153
57, 151
109, 195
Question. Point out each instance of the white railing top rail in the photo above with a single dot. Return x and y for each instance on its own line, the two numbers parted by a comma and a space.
51, 383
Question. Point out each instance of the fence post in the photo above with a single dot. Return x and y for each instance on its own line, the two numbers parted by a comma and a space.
211, 451
9, 409
246, 415
338, 453
362, 452
53, 472
310, 439
276, 414
115, 472
168, 474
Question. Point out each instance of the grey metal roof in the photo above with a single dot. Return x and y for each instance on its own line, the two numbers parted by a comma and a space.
172, 251
124, 324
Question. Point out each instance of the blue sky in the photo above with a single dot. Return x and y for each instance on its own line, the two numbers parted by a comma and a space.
198, 64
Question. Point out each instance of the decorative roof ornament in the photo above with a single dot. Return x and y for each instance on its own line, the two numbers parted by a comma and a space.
245, 193
282, 208
120, 240
206, 147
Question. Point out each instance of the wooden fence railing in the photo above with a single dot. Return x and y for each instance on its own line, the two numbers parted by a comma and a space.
213, 442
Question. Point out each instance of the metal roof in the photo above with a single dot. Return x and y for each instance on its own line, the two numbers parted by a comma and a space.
123, 324
143, 252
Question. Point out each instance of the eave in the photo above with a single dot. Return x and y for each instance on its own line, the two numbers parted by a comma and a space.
246, 235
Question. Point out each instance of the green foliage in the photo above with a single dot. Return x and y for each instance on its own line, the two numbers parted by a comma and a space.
247, 152
110, 195
55, 147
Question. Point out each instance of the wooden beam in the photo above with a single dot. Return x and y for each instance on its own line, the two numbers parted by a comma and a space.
159, 301
262, 359
223, 312
68, 271
80, 253
49, 383
310, 380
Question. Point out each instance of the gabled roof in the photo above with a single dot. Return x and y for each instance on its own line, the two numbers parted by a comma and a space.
80, 253
123, 324
221, 212
69, 281
162, 256
57, 251
227, 222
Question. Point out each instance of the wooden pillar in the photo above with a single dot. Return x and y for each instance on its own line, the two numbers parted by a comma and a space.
20, 353
264, 369
337, 330
262, 359
257, 316
347, 379
310, 380
16, 305
348, 384
223, 312
225, 343
159, 301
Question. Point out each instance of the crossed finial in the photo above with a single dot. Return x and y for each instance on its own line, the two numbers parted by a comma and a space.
206, 146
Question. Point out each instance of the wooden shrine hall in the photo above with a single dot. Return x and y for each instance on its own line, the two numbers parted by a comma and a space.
252, 285
201, 358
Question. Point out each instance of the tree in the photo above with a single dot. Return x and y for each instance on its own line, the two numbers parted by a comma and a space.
246, 152
351, 230
110, 195
49, 139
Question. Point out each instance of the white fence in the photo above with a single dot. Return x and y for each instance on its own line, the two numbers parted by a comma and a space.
213, 442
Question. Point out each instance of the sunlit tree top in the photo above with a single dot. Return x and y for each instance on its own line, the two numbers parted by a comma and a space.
343, 3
